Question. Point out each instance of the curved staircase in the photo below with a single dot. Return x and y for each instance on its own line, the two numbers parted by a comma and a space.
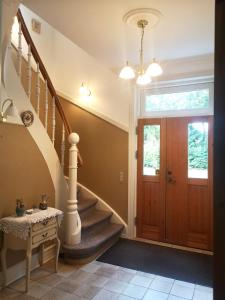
97, 231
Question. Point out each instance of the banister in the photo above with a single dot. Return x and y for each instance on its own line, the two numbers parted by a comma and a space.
46, 77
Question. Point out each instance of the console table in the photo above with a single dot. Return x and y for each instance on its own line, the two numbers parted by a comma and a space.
29, 232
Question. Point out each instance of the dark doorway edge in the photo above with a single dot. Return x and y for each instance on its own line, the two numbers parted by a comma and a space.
219, 153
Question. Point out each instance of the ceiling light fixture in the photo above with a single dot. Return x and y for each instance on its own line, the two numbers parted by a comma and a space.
154, 69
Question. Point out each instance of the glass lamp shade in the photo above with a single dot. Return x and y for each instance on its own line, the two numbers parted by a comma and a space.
143, 79
84, 90
11, 110
154, 69
127, 73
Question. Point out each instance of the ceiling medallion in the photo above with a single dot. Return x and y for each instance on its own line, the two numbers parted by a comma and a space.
151, 15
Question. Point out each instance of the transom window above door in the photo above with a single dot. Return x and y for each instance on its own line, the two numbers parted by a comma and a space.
182, 100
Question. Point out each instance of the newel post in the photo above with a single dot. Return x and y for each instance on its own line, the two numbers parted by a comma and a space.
72, 219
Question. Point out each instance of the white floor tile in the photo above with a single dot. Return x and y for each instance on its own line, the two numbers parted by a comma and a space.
182, 291
106, 295
155, 295
98, 281
141, 280
91, 268
135, 291
204, 288
202, 295
128, 270
162, 285
123, 276
115, 286
172, 297
184, 283
149, 275
166, 279
123, 297
38, 290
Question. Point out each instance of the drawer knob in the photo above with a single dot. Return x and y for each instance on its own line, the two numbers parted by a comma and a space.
45, 235
45, 222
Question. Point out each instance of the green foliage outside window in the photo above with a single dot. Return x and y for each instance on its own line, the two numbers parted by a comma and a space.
198, 146
178, 101
152, 146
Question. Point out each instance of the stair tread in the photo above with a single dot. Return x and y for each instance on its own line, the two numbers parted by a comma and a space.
91, 241
94, 217
86, 203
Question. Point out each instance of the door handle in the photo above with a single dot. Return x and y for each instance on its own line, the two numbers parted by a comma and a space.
169, 177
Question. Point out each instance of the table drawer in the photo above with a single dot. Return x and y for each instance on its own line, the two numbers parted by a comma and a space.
44, 235
42, 225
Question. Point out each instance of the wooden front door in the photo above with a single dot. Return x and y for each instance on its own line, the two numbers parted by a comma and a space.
174, 202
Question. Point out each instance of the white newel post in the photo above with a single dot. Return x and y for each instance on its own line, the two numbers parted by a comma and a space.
72, 218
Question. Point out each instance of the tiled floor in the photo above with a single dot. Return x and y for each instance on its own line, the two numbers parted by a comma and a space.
100, 281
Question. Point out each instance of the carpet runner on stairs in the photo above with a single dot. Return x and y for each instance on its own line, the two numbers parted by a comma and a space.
97, 233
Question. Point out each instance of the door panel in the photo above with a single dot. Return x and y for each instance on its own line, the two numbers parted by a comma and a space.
176, 191
150, 211
200, 208
198, 217
174, 201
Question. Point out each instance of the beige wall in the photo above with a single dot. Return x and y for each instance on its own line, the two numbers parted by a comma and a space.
23, 172
104, 149
103, 146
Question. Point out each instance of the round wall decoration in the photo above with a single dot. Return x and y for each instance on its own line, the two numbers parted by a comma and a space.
27, 118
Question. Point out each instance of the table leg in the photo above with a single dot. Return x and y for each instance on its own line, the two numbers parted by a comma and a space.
28, 257
4, 266
57, 254
41, 255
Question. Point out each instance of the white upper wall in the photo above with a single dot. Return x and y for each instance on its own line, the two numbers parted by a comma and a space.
69, 66
186, 28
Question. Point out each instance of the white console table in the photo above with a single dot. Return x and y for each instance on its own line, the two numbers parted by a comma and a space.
29, 232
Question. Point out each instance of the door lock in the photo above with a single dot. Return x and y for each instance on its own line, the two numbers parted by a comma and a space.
169, 177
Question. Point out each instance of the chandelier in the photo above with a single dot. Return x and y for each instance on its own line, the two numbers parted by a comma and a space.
144, 76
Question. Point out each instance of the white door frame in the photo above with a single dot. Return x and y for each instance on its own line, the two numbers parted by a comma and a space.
134, 114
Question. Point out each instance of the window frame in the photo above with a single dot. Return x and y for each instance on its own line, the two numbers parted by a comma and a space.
176, 88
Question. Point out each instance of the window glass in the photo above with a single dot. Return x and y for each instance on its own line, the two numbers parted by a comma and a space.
178, 101
151, 148
198, 150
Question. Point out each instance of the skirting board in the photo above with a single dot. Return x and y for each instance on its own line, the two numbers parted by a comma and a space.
19, 270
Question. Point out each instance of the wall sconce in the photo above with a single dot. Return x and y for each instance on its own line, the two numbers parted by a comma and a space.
85, 91
10, 110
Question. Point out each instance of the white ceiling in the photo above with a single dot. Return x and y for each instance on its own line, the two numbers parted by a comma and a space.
186, 29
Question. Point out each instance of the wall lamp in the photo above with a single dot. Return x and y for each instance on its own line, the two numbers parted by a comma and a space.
85, 91
7, 109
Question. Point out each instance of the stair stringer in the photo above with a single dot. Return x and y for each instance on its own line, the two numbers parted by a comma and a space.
102, 205
16, 92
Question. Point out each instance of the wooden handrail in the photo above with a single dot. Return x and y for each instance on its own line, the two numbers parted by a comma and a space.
46, 77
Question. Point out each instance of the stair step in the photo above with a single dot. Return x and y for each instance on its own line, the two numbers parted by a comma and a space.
92, 242
86, 203
94, 217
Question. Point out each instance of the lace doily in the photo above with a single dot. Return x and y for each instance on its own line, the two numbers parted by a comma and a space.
20, 226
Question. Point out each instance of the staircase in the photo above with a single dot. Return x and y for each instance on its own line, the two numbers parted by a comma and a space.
97, 231
88, 229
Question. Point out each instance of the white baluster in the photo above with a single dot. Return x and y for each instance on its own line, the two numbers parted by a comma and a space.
46, 105
10, 40
63, 147
38, 89
29, 72
72, 218
53, 121
19, 53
